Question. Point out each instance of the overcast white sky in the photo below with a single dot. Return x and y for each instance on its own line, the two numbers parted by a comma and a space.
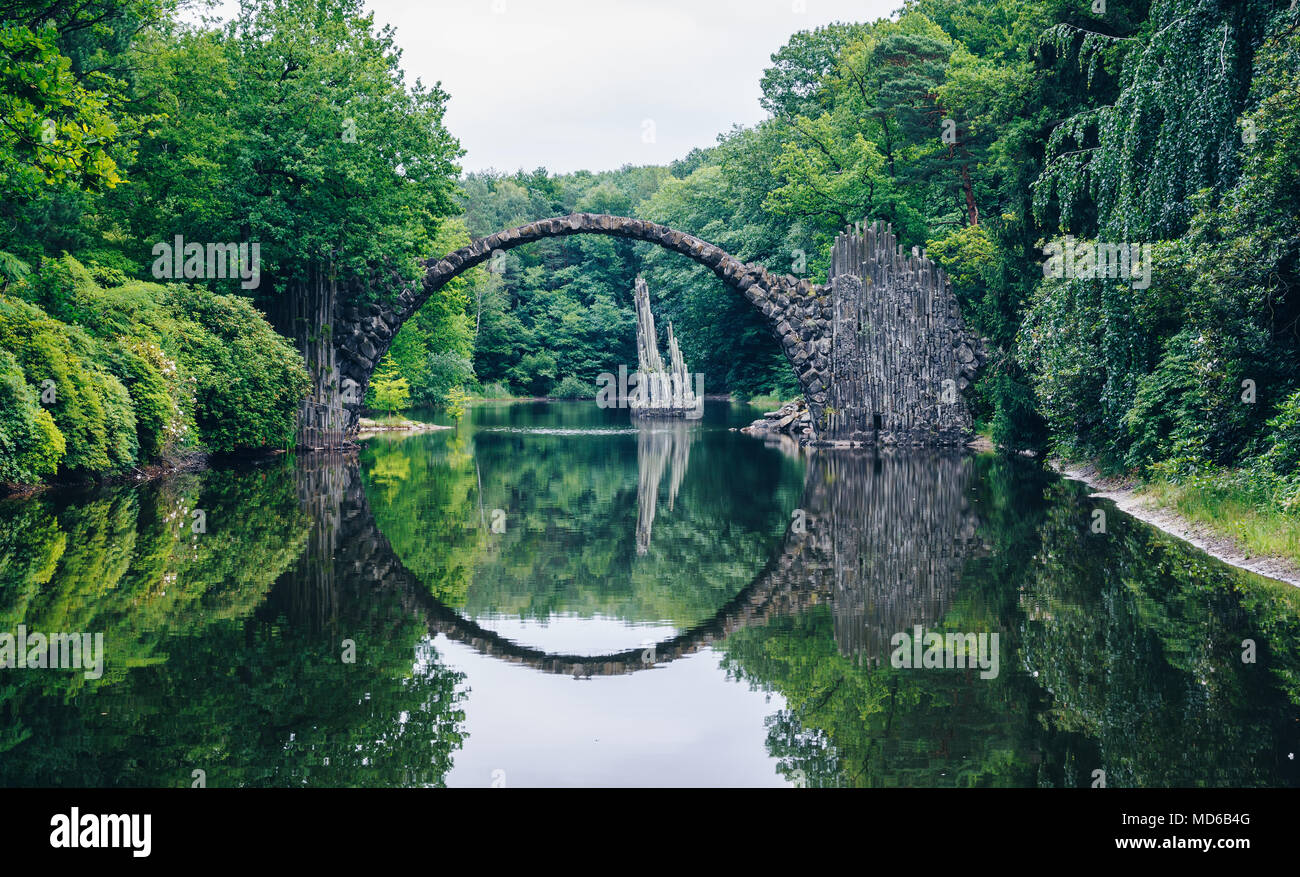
572, 84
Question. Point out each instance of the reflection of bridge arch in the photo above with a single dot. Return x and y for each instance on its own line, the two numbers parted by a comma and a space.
881, 539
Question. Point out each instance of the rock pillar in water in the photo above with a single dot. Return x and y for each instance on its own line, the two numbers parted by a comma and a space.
660, 391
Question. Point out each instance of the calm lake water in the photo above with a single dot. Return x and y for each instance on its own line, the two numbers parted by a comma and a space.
550, 596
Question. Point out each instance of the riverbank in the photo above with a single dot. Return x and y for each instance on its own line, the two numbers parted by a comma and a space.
1179, 512
176, 464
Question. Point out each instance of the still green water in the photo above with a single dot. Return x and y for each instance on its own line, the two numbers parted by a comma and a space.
550, 596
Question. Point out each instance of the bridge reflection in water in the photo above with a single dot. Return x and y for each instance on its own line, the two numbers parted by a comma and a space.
880, 537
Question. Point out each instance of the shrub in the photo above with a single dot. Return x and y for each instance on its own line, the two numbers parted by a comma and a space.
966, 255
392, 394
572, 388
535, 373
13, 271
162, 398
441, 372
152, 369
107, 276
110, 268
64, 289
1282, 454
90, 407
1162, 422
249, 381
123, 444
31, 446
456, 401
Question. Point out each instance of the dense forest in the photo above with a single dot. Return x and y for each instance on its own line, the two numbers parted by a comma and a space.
995, 133
167, 186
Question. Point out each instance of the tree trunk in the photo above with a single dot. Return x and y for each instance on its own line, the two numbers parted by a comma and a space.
972, 212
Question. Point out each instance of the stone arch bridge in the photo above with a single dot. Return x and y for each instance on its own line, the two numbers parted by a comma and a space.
880, 352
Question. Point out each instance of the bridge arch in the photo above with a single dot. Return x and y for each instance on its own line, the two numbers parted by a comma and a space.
797, 311
880, 352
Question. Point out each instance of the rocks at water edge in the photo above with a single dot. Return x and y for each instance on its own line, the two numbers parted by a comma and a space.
792, 419
365, 424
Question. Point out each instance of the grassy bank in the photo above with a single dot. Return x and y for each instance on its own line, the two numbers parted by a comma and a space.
768, 402
1229, 506
1241, 516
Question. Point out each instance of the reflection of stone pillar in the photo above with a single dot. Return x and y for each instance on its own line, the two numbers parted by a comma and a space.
308, 593
654, 448
888, 537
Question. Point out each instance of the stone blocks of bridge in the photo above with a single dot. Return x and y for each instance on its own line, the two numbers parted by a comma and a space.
793, 307
880, 353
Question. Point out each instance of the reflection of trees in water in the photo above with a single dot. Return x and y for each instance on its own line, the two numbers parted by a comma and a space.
1140, 675
656, 446
1119, 652
570, 507
203, 669
125, 561
882, 540
1136, 639
1139, 638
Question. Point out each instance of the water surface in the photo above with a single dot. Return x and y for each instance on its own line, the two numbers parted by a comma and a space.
550, 595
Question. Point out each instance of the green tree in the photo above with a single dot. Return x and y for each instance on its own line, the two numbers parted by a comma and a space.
392, 392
